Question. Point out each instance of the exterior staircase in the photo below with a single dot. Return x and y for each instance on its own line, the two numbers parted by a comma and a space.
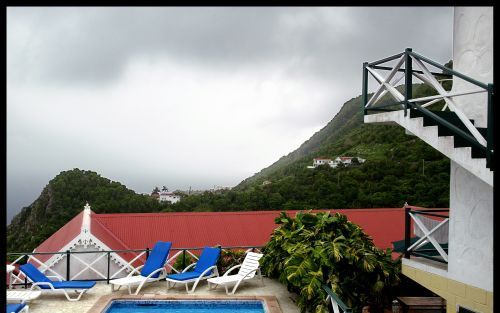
444, 131
440, 138
449, 132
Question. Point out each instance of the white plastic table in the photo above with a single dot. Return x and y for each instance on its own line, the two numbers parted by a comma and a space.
22, 295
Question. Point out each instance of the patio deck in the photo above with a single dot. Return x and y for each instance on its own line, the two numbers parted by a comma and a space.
50, 303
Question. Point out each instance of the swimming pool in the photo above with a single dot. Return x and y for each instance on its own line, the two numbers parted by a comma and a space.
185, 306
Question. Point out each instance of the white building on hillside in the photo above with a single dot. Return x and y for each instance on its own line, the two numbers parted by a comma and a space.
321, 161
171, 197
346, 161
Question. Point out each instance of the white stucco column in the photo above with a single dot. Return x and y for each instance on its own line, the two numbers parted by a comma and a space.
470, 249
473, 56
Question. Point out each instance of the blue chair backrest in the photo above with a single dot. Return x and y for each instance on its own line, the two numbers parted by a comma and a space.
208, 258
34, 274
156, 258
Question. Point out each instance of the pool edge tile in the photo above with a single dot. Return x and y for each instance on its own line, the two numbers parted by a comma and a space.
271, 302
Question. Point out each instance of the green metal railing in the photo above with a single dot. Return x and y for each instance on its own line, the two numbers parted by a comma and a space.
432, 249
476, 140
337, 303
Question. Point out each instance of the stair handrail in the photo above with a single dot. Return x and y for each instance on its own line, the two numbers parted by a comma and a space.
337, 304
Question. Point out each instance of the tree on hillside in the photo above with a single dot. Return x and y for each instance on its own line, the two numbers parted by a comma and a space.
63, 198
156, 190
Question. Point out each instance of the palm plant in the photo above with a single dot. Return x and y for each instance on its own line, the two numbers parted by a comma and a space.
310, 250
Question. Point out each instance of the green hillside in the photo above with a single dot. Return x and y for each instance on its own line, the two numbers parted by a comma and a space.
346, 119
63, 198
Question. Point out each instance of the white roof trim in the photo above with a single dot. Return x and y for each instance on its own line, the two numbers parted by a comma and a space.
85, 229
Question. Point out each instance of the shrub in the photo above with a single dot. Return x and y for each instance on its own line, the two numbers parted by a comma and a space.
310, 250
178, 265
230, 258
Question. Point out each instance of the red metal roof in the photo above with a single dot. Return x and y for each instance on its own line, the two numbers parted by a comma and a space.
109, 239
187, 230
60, 238
122, 231
198, 229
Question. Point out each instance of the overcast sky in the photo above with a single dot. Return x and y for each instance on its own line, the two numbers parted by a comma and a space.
187, 96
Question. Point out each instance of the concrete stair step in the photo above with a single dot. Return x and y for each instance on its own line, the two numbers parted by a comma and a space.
458, 151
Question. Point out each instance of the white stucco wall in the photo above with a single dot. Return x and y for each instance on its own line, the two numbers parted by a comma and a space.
473, 56
471, 229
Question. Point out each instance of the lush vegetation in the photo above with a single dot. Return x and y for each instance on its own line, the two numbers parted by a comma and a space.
63, 198
310, 250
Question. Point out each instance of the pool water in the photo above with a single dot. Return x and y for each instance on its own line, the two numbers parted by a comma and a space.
185, 306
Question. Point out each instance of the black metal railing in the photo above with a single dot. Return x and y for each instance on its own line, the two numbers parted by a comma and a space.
484, 144
426, 247
136, 258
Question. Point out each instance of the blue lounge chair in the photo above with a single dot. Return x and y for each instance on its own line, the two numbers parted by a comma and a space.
43, 282
152, 270
18, 308
205, 268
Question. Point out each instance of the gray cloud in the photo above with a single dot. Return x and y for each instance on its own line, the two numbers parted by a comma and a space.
94, 44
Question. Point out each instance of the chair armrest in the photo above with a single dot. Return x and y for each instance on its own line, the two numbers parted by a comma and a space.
190, 265
231, 269
249, 273
135, 270
207, 271
161, 269
54, 276
42, 284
